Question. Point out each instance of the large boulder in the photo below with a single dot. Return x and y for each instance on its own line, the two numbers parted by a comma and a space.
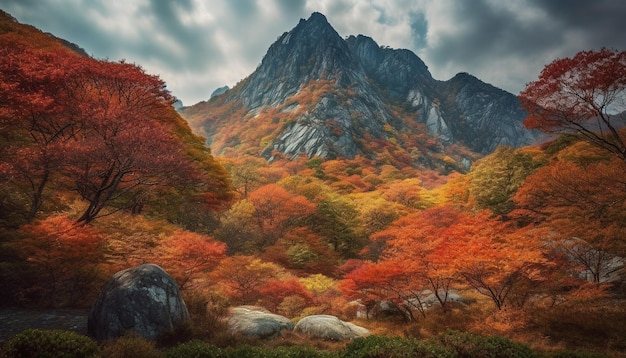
330, 328
255, 321
143, 299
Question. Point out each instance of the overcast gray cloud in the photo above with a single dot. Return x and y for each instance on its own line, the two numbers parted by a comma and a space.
199, 45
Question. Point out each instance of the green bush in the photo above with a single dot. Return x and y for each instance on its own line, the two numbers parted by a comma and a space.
198, 349
195, 349
132, 346
394, 347
467, 345
50, 343
279, 352
576, 354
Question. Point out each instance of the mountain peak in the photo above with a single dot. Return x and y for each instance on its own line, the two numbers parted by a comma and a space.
318, 17
318, 94
312, 50
315, 20
315, 27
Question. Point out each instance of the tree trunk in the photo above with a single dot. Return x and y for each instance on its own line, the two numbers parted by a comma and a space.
37, 198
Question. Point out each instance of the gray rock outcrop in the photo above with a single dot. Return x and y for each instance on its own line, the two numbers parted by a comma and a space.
219, 91
255, 321
461, 110
330, 328
143, 299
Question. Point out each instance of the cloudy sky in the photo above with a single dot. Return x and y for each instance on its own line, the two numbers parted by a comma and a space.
199, 45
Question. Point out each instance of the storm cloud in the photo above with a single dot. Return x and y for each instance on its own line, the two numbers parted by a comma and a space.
199, 45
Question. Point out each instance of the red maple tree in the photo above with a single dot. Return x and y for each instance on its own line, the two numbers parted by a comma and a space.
585, 95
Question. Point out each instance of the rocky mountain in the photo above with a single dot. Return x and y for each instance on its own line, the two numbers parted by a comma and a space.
318, 94
463, 109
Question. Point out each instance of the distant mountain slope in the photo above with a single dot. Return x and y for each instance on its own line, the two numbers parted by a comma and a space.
317, 94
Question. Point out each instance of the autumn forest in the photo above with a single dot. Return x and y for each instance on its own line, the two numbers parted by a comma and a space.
99, 173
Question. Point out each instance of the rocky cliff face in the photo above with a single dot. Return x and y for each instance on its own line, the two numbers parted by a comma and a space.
334, 97
310, 53
462, 110
482, 116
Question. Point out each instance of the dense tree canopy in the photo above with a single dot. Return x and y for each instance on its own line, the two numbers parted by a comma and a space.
37, 113
105, 127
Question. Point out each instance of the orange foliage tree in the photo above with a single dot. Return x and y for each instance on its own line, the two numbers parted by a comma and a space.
585, 95
503, 263
583, 206
276, 210
185, 255
387, 280
277, 293
420, 244
241, 278
406, 192
67, 255
440, 246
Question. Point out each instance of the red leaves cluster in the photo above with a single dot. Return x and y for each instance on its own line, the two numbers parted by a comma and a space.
584, 94
105, 127
275, 291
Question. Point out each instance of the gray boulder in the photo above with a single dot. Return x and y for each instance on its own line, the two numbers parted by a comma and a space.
330, 328
430, 299
143, 299
255, 321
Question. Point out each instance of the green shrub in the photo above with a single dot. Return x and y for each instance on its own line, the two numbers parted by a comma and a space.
132, 346
304, 352
467, 345
278, 352
393, 347
576, 354
50, 343
195, 349
249, 352
198, 349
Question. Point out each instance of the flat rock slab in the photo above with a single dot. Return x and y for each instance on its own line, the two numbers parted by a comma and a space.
252, 321
330, 328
